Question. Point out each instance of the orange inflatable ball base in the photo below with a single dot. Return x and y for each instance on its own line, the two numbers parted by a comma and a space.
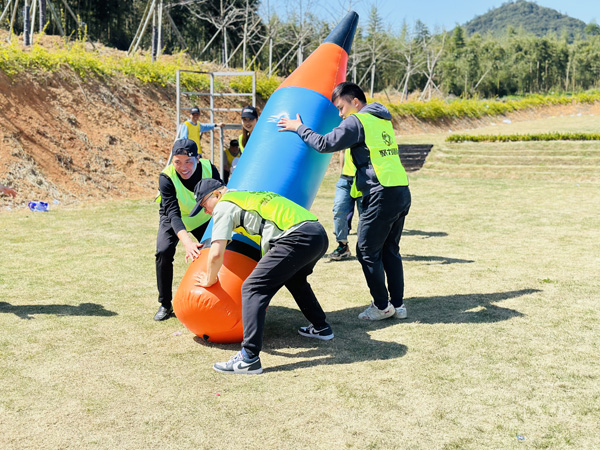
214, 313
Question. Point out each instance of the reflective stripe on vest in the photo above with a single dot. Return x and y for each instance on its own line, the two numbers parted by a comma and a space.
194, 134
273, 207
186, 198
348, 169
383, 150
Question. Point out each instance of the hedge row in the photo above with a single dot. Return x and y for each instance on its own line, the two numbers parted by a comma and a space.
524, 137
15, 60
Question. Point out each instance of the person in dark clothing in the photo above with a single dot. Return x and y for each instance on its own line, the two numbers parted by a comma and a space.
292, 242
380, 177
176, 185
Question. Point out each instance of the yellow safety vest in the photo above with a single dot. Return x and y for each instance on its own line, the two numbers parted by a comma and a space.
348, 169
186, 198
241, 143
194, 134
230, 157
275, 208
383, 150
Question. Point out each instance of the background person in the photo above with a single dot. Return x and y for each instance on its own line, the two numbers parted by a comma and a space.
228, 156
192, 129
343, 206
368, 132
249, 119
176, 184
292, 241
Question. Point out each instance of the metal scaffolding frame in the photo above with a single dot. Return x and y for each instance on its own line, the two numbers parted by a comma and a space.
213, 95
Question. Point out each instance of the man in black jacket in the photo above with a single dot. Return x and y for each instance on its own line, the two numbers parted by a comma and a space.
176, 184
367, 131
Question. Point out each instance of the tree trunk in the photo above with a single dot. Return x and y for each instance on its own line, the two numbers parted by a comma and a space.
154, 36
26, 24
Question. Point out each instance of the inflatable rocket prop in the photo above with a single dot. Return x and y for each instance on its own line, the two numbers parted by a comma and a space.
276, 162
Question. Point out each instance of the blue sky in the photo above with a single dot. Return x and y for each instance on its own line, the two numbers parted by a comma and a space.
434, 13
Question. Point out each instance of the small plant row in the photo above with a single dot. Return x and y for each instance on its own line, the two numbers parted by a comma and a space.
14, 60
524, 137
468, 108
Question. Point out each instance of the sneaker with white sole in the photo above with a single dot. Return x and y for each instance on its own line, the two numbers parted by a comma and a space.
401, 312
341, 252
374, 313
325, 334
240, 364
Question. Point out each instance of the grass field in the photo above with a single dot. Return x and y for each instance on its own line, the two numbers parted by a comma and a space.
500, 350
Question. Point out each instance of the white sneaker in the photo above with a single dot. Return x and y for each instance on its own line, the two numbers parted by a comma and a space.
374, 313
401, 312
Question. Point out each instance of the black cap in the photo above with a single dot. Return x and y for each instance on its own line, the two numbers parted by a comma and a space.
204, 187
250, 112
194, 110
185, 147
234, 142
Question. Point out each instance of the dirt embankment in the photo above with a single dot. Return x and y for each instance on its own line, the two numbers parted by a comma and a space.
66, 139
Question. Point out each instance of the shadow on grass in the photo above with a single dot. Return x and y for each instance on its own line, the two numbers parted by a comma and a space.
352, 342
424, 234
428, 259
28, 311
464, 308
436, 259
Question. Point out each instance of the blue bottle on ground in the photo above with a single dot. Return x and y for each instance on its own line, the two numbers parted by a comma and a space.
38, 206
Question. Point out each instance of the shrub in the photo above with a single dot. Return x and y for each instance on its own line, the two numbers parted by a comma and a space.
524, 137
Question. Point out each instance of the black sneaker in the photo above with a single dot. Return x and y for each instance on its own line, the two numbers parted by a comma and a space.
163, 313
240, 365
342, 252
325, 334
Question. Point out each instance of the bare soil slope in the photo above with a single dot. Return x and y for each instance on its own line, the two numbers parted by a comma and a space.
66, 139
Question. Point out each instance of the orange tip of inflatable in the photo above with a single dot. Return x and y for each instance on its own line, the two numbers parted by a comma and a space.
214, 313
322, 71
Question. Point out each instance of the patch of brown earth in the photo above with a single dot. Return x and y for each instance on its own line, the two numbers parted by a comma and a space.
65, 139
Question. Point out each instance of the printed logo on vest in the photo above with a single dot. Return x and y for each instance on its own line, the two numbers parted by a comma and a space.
386, 138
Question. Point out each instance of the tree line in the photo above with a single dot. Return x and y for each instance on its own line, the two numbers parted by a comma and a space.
406, 60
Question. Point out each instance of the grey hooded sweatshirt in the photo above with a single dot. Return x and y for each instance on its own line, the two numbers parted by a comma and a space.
350, 134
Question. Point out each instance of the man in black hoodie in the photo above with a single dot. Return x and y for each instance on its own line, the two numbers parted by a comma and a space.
367, 130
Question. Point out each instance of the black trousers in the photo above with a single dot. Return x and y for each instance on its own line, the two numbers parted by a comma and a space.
378, 248
288, 263
166, 244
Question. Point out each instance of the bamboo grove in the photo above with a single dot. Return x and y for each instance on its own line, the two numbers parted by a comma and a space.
408, 60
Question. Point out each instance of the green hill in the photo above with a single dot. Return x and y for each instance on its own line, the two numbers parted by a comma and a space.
529, 16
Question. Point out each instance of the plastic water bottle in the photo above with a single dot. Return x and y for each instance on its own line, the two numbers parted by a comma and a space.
38, 206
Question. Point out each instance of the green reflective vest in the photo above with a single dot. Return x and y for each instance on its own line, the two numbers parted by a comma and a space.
381, 141
186, 198
273, 207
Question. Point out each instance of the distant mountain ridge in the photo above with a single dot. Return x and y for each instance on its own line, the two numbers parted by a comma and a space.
527, 15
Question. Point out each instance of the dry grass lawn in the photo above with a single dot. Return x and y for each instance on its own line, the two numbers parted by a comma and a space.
500, 350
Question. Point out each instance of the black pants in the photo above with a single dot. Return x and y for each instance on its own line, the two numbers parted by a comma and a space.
288, 263
378, 248
166, 244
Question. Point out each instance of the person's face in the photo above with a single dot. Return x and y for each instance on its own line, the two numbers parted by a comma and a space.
195, 117
249, 124
346, 107
234, 150
210, 201
185, 165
